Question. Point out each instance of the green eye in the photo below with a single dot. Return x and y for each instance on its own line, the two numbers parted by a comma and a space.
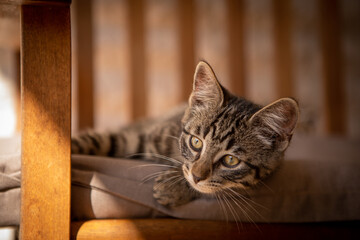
230, 161
195, 143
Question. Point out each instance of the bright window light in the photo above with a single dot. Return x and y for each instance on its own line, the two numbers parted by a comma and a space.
7, 108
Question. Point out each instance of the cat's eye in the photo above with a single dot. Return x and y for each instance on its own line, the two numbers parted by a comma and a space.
196, 144
230, 161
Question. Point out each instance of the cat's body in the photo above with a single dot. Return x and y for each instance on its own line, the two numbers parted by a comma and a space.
219, 142
140, 139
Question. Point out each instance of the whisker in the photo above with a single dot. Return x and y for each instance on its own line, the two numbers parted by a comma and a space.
237, 202
243, 198
144, 180
232, 211
180, 178
238, 218
169, 183
153, 165
171, 136
230, 206
191, 188
265, 185
173, 160
222, 206
167, 180
247, 198
222, 197
153, 175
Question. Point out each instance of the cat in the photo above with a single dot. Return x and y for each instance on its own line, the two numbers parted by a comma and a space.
217, 142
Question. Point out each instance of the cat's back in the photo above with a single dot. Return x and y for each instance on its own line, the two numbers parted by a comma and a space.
171, 119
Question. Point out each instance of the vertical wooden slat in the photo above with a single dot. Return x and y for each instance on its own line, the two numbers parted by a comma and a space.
236, 46
259, 51
283, 50
187, 45
335, 108
84, 62
137, 58
350, 12
45, 87
18, 89
163, 57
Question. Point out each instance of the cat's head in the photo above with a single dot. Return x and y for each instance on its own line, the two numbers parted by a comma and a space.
229, 142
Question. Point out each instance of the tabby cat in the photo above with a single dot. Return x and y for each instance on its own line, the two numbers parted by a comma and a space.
217, 142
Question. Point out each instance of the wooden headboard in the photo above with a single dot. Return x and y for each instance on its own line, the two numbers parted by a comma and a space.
146, 51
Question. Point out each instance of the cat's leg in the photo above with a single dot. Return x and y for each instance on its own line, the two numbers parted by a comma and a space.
171, 189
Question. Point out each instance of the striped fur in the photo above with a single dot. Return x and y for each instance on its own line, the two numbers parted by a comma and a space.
223, 123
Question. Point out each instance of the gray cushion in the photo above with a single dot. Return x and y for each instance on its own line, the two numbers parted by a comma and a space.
317, 182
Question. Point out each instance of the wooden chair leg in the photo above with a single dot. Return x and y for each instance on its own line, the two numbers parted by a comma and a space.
45, 97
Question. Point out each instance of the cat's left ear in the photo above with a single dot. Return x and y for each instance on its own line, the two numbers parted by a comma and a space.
279, 117
207, 91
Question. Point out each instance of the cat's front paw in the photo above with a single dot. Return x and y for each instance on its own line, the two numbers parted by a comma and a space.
171, 189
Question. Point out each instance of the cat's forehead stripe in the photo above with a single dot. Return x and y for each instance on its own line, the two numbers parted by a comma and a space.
186, 132
218, 117
206, 131
227, 135
197, 130
239, 150
230, 144
214, 131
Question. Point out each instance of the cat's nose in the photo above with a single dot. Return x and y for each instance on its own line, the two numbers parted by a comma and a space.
197, 179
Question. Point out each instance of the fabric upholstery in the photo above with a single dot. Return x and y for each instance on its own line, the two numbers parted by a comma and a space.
318, 181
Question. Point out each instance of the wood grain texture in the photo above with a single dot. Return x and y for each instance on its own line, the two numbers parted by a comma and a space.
157, 229
187, 45
37, 2
84, 63
45, 87
332, 65
137, 59
283, 48
141, 229
236, 46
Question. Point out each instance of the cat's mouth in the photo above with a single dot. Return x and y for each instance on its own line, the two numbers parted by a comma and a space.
201, 186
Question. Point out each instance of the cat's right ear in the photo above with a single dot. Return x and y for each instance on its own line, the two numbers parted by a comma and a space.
207, 91
277, 119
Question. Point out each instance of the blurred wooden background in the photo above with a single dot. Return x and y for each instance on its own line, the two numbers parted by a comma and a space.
135, 58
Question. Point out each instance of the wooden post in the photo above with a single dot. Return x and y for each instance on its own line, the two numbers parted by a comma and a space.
45, 98
236, 46
187, 45
335, 108
137, 56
